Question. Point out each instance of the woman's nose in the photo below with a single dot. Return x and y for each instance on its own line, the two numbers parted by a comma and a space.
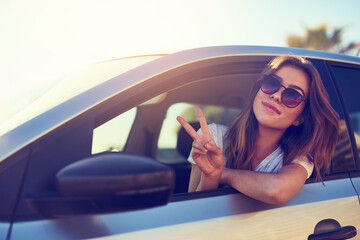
277, 95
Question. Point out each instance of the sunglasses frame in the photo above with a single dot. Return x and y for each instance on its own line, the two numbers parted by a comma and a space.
282, 93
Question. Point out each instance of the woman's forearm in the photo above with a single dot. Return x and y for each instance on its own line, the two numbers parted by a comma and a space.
274, 188
253, 184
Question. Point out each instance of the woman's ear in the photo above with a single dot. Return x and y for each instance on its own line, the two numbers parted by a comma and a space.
299, 120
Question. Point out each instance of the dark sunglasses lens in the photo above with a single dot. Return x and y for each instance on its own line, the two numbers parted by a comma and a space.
291, 97
270, 85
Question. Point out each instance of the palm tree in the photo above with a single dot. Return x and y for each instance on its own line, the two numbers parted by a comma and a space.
319, 38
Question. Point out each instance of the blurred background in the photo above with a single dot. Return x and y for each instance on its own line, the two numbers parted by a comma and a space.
43, 40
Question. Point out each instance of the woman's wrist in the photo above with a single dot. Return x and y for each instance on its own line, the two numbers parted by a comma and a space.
215, 175
212, 177
224, 179
209, 182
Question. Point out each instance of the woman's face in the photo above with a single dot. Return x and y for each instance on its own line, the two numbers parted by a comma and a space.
269, 109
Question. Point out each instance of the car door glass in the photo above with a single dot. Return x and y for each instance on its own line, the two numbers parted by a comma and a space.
113, 134
169, 149
348, 80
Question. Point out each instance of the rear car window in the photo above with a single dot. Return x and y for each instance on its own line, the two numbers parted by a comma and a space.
348, 80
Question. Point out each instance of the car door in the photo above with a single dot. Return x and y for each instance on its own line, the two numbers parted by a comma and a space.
221, 213
239, 217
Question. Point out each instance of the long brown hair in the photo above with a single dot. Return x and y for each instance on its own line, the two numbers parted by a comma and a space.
314, 138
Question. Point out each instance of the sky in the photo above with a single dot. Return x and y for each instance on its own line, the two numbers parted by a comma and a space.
44, 39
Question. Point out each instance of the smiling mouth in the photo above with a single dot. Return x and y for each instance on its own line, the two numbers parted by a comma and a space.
271, 108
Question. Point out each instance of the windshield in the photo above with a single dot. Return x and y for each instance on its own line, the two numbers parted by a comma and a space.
43, 97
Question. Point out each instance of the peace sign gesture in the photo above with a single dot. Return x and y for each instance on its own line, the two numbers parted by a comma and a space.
208, 157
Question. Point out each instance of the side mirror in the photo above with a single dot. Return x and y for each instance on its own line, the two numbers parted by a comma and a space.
107, 183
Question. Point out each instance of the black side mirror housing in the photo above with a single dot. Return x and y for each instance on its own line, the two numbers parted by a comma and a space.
108, 183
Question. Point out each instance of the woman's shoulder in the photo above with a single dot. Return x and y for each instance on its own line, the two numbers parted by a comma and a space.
217, 132
305, 162
217, 128
303, 159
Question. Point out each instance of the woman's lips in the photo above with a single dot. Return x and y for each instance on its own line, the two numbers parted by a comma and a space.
271, 108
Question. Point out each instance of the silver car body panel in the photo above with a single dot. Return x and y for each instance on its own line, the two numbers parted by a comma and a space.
27, 133
235, 215
254, 225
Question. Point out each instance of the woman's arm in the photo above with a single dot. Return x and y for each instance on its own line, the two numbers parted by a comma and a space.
274, 188
206, 154
201, 182
194, 178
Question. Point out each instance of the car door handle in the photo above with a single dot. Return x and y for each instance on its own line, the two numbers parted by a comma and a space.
330, 229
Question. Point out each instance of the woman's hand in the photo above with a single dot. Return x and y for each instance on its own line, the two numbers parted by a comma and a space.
208, 157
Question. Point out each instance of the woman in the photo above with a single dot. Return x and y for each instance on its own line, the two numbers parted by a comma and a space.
287, 128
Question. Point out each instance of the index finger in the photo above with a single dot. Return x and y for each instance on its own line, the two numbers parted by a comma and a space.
203, 123
188, 128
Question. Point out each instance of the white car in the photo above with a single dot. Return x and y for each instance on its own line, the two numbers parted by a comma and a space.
100, 154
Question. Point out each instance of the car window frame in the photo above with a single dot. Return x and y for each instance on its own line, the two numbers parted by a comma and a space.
329, 67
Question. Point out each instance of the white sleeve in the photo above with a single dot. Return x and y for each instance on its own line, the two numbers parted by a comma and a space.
304, 161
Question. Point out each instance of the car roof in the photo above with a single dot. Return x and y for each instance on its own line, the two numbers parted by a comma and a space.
23, 134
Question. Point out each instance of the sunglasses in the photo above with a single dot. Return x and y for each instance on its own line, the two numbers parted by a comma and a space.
290, 97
